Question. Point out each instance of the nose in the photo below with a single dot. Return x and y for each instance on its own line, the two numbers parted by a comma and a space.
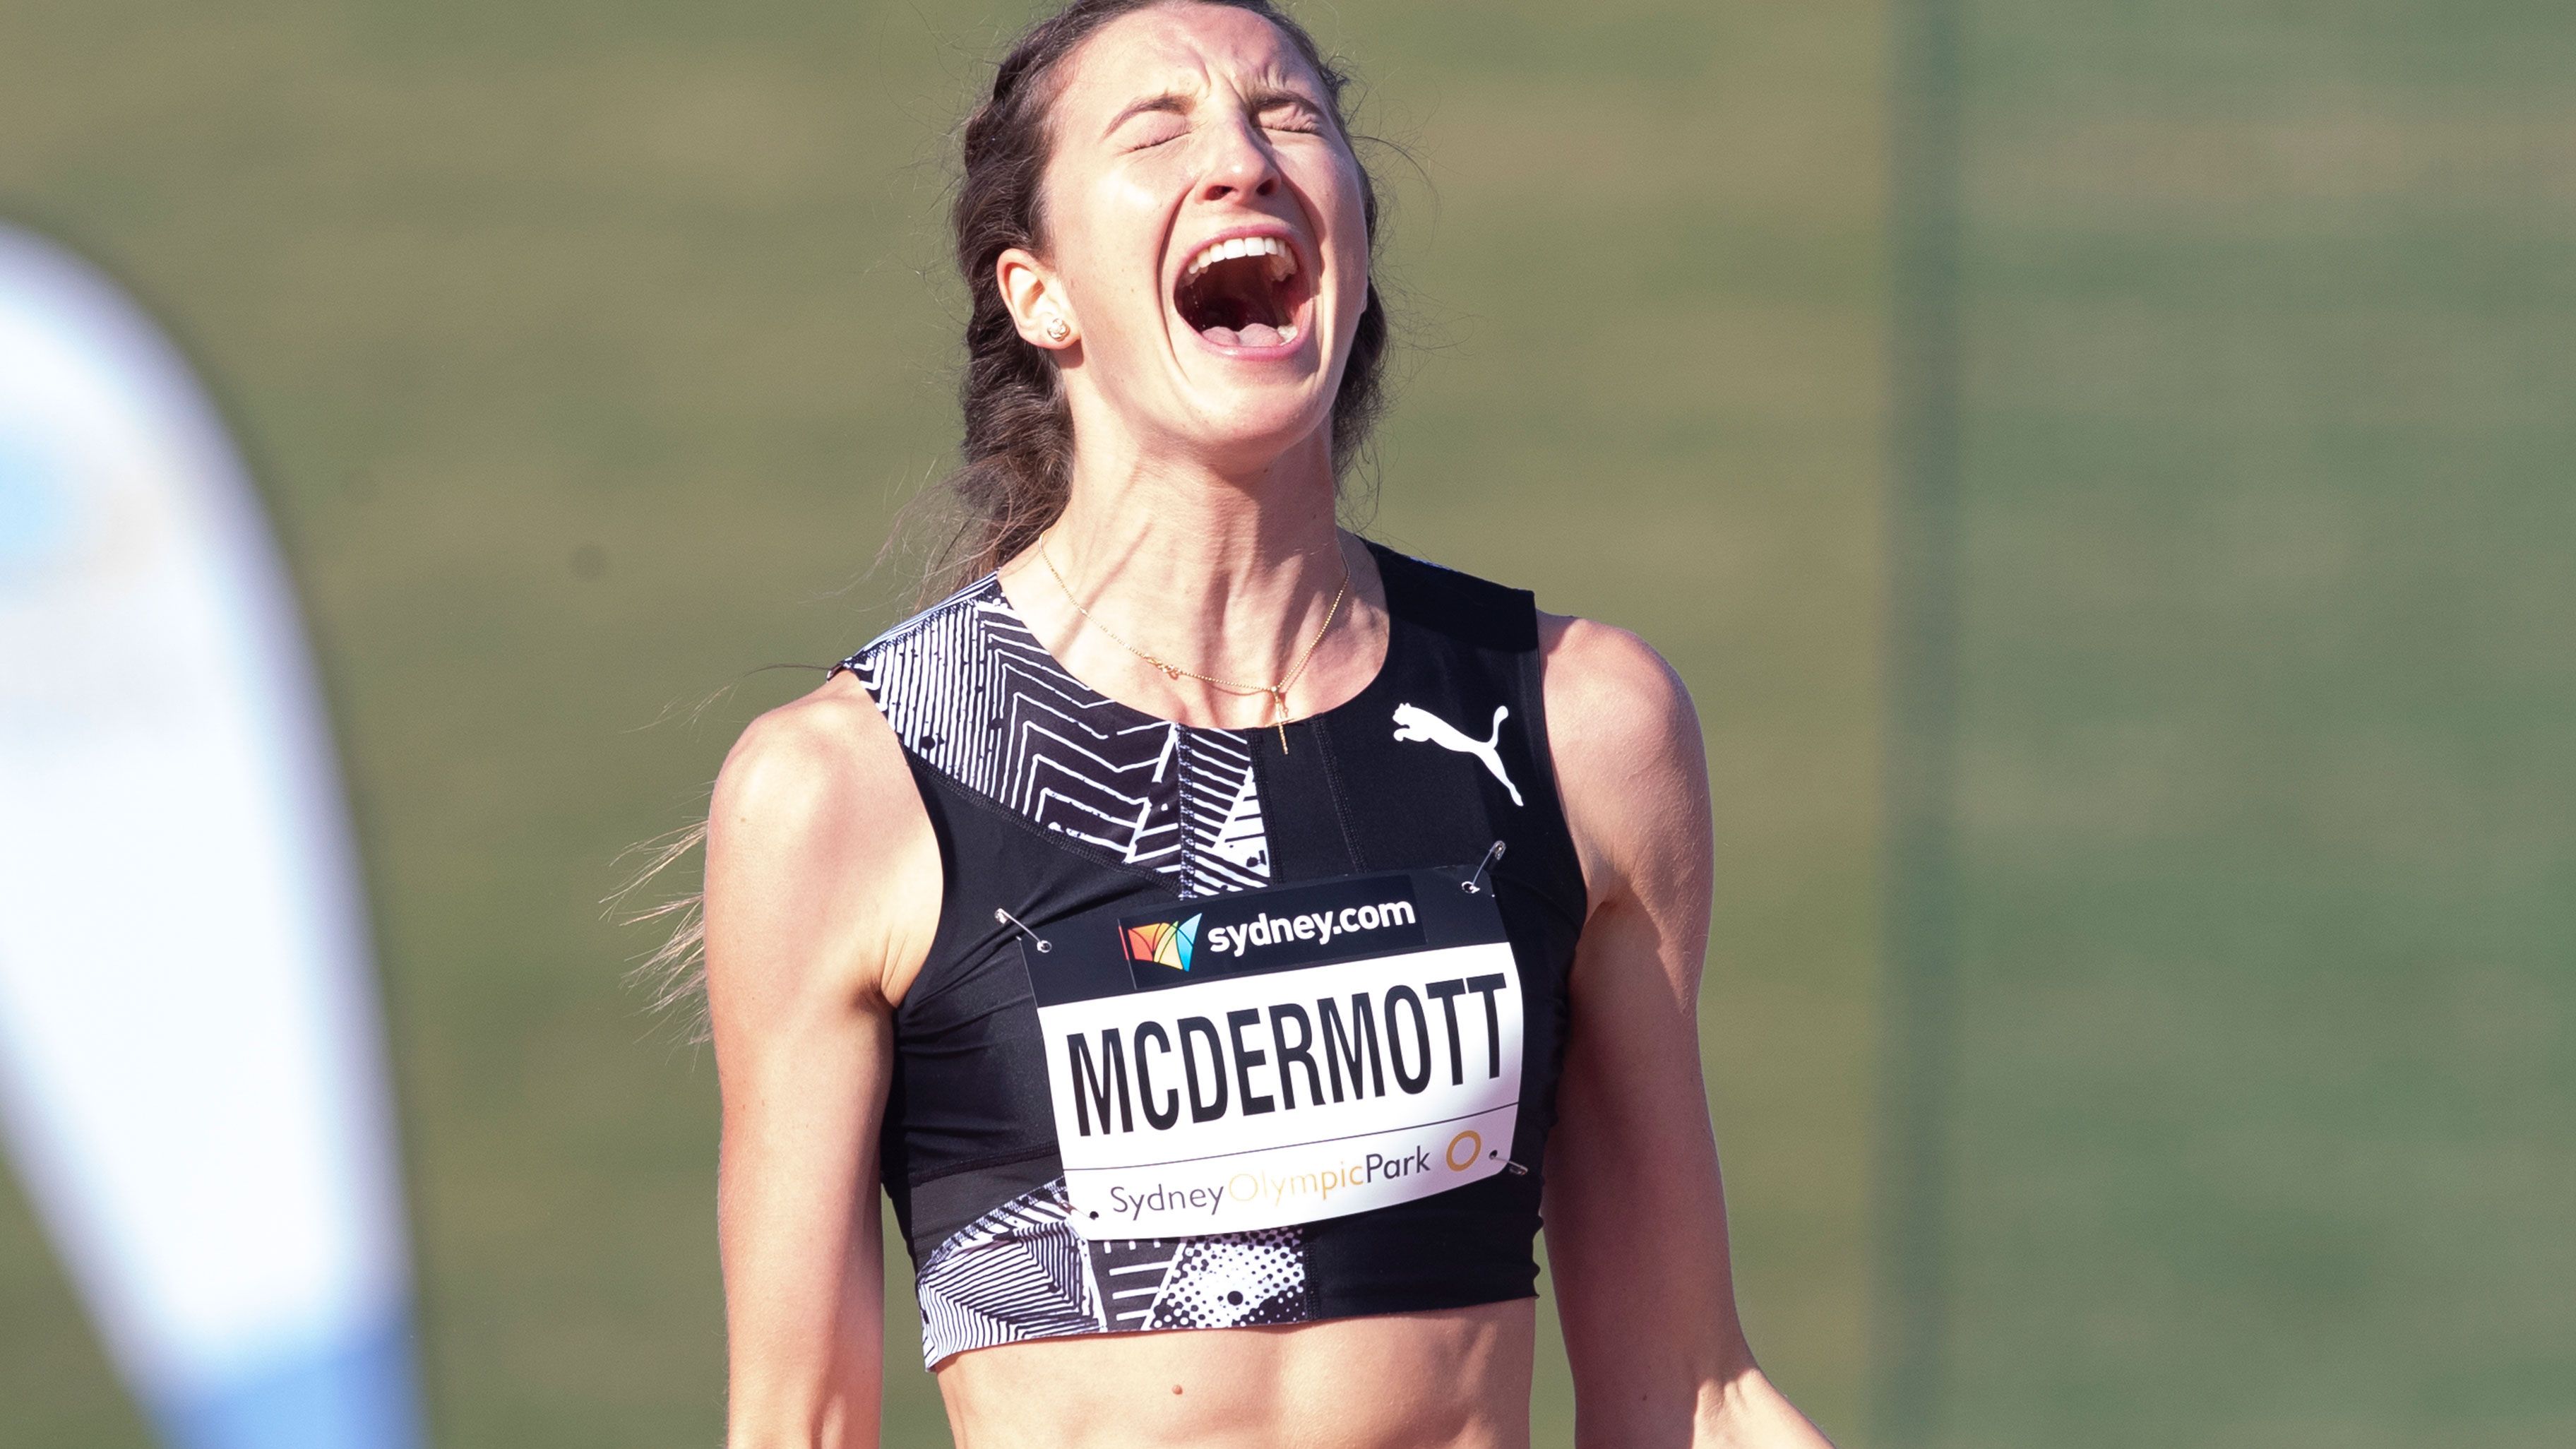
1242, 166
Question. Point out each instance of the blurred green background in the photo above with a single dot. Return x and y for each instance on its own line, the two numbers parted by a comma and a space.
2167, 477
2248, 553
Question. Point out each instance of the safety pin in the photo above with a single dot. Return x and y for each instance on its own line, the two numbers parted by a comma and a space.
1469, 885
1006, 918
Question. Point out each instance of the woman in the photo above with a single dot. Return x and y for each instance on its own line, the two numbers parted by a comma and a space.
1399, 886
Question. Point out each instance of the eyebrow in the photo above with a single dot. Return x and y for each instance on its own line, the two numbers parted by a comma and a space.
1172, 101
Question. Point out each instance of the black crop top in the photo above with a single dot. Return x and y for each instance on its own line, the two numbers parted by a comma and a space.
1069, 810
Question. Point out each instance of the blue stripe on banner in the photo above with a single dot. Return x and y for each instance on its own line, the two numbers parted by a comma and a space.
356, 1393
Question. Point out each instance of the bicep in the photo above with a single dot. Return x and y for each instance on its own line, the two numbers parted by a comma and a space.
1635, 1216
814, 875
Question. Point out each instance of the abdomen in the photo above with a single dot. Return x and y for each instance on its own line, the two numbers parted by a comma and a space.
1453, 1379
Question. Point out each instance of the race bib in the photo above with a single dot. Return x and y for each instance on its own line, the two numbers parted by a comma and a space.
1279, 1056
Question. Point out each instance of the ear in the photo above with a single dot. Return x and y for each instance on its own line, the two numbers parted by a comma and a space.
1039, 306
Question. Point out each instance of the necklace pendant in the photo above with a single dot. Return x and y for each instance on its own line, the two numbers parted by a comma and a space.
1170, 672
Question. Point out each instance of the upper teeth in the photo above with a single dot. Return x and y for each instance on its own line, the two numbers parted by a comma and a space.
1283, 261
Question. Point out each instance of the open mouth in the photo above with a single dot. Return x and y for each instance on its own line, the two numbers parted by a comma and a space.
1244, 291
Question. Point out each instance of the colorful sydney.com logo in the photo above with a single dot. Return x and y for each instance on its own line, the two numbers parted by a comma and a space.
1164, 943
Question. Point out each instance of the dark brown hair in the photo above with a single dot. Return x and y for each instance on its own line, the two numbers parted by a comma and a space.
1018, 450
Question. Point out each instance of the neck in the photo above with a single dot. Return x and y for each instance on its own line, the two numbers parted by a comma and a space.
1219, 573
1181, 542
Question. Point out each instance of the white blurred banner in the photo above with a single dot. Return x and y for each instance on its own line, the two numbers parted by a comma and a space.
192, 1076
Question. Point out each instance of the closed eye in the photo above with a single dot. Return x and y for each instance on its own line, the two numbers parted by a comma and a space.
1152, 120
1290, 116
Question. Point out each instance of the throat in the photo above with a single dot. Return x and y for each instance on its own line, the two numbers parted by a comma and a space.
1226, 638
1242, 302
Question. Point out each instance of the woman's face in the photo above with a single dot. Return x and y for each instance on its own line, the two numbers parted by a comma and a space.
1203, 236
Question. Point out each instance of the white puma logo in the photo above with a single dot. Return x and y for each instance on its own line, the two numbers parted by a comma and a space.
1412, 722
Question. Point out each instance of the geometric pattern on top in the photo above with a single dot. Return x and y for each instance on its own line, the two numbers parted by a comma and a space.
969, 689
1021, 1272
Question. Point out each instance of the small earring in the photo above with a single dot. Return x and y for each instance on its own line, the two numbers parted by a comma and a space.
1057, 329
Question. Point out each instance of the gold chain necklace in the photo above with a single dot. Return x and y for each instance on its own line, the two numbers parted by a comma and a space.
1278, 692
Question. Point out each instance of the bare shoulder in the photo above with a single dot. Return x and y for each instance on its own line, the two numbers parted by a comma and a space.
818, 848
1629, 760
810, 757
1607, 687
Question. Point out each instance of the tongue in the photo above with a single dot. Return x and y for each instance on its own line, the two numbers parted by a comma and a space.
1254, 334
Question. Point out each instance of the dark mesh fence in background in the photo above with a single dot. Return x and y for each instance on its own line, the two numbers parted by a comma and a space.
2233, 1098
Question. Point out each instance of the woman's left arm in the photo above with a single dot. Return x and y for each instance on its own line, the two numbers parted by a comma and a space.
1636, 1220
